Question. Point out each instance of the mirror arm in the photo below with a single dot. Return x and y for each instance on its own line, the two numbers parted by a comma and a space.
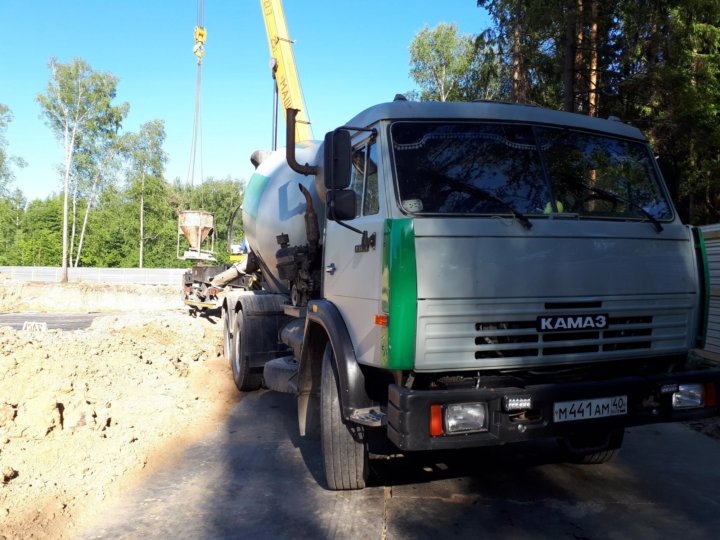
343, 224
366, 242
351, 128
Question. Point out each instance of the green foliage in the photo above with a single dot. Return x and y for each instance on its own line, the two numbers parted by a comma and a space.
31, 234
654, 64
78, 108
79, 99
145, 183
124, 212
222, 198
40, 241
6, 161
448, 66
526, 39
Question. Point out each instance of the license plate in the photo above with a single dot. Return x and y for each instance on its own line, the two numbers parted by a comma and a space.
587, 409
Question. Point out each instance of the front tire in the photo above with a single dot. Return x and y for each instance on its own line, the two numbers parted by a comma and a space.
244, 377
344, 445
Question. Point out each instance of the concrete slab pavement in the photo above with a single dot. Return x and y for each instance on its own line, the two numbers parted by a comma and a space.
256, 478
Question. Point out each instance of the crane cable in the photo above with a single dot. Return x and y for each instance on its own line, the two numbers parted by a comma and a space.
199, 51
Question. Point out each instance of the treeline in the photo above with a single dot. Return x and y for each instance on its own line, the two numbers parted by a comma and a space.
654, 64
31, 233
116, 208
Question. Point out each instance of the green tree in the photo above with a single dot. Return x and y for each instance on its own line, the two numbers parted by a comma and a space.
664, 77
41, 233
77, 107
145, 178
526, 39
110, 239
222, 197
6, 161
654, 64
12, 214
94, 167
448, 66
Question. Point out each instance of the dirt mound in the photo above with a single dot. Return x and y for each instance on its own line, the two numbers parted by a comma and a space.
86, 297
83, 414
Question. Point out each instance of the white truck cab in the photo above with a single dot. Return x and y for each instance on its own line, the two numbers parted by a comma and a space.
469, 274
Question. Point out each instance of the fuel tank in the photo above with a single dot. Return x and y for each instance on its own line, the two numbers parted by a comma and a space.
274, 205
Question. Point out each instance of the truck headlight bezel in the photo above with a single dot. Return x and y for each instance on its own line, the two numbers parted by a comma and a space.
689, 396
461, 418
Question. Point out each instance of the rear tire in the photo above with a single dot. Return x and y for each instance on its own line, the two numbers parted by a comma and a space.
245, 378
593, 450
228, 343
344, 446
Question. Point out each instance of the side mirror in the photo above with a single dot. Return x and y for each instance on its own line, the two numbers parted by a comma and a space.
337, 159
341, 205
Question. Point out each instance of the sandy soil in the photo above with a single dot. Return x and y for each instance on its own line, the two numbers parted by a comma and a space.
86, 414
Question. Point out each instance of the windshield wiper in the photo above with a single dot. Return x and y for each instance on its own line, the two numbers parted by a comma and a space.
479, 192
614, 197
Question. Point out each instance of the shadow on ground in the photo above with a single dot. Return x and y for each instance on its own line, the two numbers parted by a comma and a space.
256, 478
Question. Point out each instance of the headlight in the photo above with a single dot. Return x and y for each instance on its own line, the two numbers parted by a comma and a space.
689, 396
465, 417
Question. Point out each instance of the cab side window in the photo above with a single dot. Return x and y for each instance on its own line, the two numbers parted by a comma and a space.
364, 179
371, 203
357, 176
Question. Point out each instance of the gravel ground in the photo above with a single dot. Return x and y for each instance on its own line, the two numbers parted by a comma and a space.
86, 414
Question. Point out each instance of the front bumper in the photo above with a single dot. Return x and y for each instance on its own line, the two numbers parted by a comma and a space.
408, 420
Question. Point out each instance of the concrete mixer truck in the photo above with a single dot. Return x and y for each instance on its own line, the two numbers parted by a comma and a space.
459, 275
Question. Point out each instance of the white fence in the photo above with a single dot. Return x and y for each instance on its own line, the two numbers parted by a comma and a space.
136, 276
712, 246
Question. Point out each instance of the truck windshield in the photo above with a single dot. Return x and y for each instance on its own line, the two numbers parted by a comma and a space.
523, 169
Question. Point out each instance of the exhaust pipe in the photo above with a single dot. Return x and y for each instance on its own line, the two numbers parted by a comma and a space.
306, 169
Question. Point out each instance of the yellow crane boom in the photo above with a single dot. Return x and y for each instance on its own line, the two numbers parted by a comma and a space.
286, 76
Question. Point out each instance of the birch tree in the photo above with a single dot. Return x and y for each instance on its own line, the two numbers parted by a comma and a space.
147, 163
439, 59
94, 168
449, 66
77, 106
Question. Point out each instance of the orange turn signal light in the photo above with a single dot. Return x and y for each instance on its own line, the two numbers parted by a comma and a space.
436, 420
381, 319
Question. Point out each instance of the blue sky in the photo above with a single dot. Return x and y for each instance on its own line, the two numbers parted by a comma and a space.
350, 55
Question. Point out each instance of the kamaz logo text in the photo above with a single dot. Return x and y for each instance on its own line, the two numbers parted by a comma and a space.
564, 323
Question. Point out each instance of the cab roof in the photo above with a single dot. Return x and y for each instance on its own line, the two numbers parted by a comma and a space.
490, 110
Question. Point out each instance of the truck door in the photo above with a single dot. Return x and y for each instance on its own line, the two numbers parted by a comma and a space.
352, 277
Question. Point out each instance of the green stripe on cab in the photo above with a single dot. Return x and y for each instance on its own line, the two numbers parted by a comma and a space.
399, 294
701, 249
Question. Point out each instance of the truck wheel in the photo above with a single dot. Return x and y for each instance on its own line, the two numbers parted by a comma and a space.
245, 379
343, 444
594, 450
228, 344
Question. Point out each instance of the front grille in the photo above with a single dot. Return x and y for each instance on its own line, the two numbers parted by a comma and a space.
510, 338
492, 334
